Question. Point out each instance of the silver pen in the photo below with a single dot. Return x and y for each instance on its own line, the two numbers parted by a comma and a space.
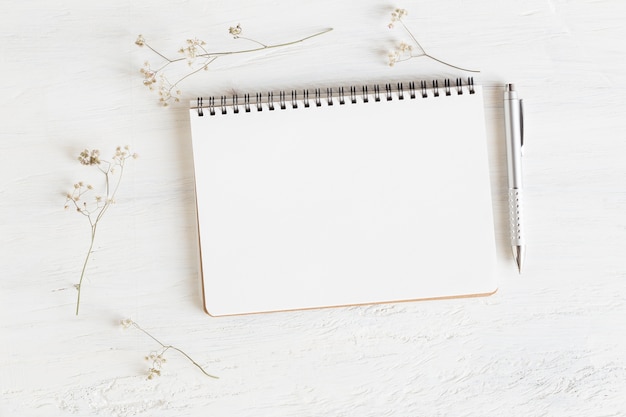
514, 123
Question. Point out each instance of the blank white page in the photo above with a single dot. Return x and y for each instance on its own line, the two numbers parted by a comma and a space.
345, 204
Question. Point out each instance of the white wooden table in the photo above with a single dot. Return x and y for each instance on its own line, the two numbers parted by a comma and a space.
549, 342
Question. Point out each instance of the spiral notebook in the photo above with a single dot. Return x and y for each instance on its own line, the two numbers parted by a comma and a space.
342, 196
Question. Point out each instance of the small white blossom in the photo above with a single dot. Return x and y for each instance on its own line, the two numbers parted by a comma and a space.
235, 31
396, 16
402, 52
405, 51
149, 75
193, 48
140, 41
88, 157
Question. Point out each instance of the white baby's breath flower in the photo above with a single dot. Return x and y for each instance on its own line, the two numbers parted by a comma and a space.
193, 48
153, 372
396, 16
157, 358
88, 157
140, 41
406, 51
149, 75
235, 31
198, 58
400, 53
91, 205
393, 58
405, 47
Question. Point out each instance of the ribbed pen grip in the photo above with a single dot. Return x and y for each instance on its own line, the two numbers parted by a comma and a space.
515, 216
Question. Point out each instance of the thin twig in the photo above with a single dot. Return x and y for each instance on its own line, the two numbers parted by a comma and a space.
94, 216
397, 55
194, 51
165, 349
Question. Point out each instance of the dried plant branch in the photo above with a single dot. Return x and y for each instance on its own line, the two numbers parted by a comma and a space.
198, 58
95, 208
405, 51
157, 358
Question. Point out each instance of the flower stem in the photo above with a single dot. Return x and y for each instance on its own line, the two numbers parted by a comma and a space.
252, 40
82, 273
190, 359
192, 73
412, 37
260, 48
426, 54
450, 65
95, 210
166, 87
167, 347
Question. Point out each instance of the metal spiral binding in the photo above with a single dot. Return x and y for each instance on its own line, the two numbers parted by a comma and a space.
332, 96
200, 111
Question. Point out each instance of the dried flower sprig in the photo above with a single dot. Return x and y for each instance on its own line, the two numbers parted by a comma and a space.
405, 51
95, 207
157, 358
198, 57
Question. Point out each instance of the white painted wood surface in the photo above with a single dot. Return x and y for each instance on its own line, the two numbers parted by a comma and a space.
550, 342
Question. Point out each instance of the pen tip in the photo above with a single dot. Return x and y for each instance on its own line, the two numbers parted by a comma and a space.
518, 253
510, 87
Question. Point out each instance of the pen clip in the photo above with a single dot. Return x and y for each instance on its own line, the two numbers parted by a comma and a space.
521, 122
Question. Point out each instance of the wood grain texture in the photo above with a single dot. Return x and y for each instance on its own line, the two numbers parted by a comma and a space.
547, 343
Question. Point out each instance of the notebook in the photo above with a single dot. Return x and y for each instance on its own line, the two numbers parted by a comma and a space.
342, 196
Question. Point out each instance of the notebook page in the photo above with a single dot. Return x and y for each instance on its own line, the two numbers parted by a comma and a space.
345, 204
